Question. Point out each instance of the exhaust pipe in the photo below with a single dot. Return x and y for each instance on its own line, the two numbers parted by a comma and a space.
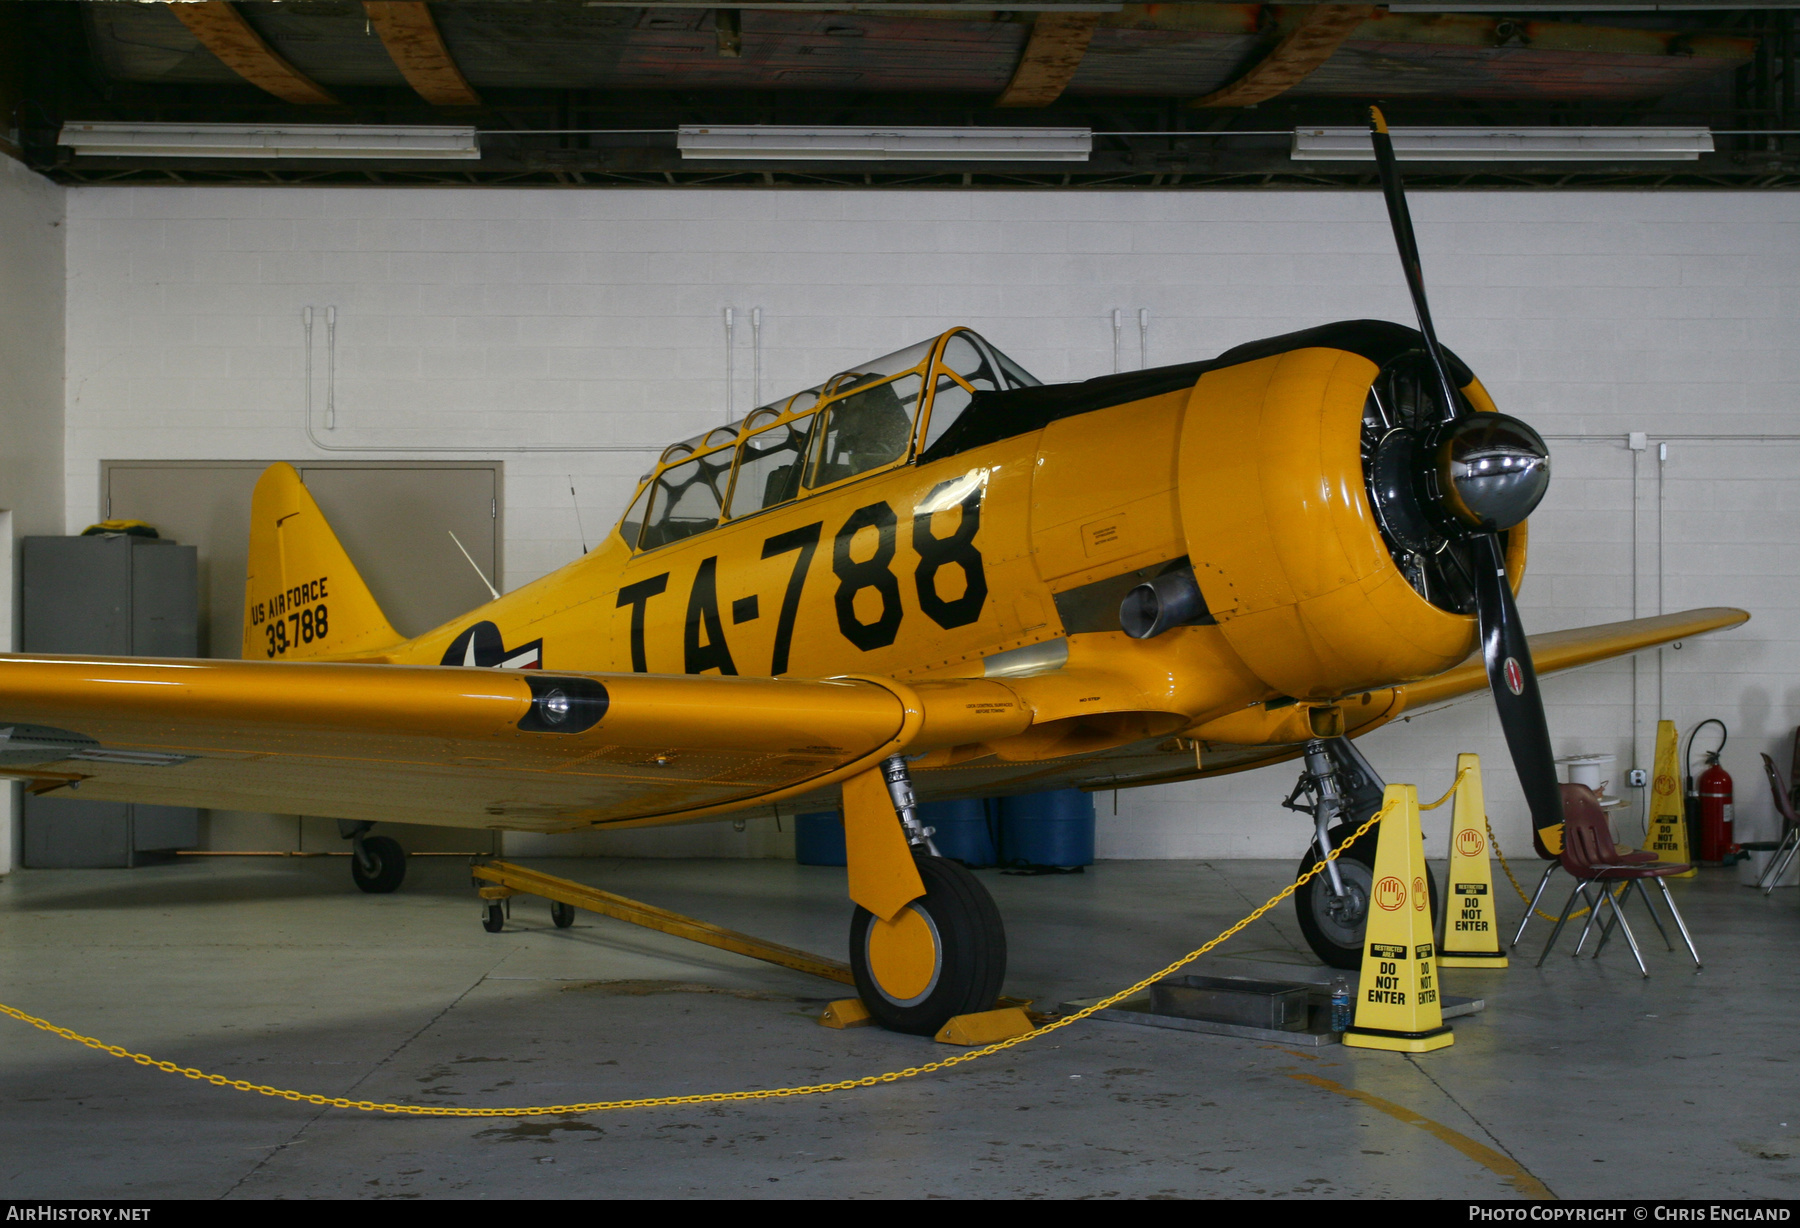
1170, 600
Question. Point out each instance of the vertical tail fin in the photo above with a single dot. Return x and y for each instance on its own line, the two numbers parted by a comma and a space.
303, 599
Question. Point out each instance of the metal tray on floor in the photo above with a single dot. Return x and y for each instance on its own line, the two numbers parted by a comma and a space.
1317, 1032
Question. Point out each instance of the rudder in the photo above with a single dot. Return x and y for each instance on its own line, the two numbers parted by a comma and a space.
303, 598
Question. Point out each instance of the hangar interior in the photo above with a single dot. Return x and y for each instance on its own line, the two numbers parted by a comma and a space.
472, 363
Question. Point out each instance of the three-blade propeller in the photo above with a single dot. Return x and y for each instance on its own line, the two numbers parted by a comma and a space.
1481, 474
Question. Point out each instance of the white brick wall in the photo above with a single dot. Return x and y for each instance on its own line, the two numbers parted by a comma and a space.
486, 318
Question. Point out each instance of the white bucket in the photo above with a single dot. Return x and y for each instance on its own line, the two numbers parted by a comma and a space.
1588, 769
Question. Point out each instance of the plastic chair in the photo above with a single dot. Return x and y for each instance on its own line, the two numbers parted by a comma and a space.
1571, 794
1790, 827
1590, 857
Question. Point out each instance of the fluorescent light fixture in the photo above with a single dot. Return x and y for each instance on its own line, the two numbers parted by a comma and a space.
1508, 144
386, 141
756, 144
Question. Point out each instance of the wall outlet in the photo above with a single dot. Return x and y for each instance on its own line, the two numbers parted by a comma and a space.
1638, 778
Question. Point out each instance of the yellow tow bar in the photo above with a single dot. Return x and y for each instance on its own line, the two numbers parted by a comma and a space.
511, 880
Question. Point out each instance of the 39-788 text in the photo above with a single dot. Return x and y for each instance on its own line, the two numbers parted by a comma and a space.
299, 627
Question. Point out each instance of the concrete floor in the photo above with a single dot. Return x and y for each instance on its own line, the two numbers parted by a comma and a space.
1597, 1082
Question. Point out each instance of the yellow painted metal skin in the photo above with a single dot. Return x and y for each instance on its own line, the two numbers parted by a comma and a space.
904, 956
1397, 999
298, 569
519, 880
884, 601
1471, 916
882, 875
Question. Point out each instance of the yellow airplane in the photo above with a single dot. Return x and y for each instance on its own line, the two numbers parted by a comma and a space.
929, 576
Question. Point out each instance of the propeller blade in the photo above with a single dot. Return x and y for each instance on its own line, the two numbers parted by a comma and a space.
1514, 683
1401, 220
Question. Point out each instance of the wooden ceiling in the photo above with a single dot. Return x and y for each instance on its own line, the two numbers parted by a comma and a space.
1194, 74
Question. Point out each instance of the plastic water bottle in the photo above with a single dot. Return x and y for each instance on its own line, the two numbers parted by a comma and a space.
1341, 1014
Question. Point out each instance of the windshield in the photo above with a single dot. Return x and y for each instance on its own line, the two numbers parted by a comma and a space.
860, 420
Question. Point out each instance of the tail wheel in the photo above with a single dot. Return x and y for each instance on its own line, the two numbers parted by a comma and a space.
943, 955
1334, 926
562, 915
386, 869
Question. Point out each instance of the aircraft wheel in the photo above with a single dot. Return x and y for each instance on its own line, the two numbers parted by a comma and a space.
944, 955
1334, 928
561, 914
493, 917
390, 865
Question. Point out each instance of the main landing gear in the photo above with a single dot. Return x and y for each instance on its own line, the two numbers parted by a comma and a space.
377, 863
1339, 791
942, 955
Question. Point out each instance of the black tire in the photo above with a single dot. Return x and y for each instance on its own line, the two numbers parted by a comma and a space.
493, 917
971, 952
390, 865
1339, 941
562, 915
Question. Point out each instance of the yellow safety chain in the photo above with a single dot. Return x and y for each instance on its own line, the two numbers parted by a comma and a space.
600, 1106
1448, 793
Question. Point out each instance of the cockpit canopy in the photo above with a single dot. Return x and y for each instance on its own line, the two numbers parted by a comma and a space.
875, 416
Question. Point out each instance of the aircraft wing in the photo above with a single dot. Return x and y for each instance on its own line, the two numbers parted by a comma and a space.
483, 748
1153, 763
1555, 651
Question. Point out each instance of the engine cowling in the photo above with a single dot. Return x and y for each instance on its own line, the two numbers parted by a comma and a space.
1287, 541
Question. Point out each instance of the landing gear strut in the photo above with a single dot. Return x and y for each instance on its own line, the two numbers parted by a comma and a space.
377, 863
942, 955
1339, 791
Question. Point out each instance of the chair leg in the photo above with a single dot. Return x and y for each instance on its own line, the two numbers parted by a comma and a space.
1650, 908
1680, 924
1593, 916
1531, 908
1625, 928
1779, 863
1606, 930
1606, 927
1560, 922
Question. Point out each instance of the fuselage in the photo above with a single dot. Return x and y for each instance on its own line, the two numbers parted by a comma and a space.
969, 524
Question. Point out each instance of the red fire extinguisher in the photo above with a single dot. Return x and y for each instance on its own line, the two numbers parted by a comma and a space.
1710, 804
1716, 841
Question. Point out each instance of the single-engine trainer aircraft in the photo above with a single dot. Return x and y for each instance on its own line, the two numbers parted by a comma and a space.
929, 576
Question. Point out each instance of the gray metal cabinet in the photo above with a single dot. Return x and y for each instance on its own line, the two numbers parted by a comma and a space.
110, 596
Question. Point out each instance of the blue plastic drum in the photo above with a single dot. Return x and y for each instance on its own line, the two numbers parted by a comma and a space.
819, 839
1047, 829
966, 830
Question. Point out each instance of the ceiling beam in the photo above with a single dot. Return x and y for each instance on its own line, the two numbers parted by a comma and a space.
412, 39
1322, 29
1051, 56
223, 31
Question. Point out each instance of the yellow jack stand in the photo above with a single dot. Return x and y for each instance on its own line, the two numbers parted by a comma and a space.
1471, 928
1397, 998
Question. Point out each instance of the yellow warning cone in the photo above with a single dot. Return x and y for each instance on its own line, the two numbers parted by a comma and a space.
1665, 827
1397, 1003
1471, 930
